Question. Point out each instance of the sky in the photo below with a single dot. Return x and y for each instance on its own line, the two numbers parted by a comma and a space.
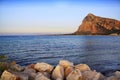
51, 16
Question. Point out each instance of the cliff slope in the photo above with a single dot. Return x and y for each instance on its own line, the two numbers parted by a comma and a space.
95, 25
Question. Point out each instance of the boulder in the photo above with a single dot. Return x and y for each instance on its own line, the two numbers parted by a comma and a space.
111, 78
82, 67
58, 73
31, 66
29, 70
65, 63
92, 75
40, 76
31, 73
117, 74
17, 67
74, 75
46, 74
68, 70
8, 76
43, 67
22, 76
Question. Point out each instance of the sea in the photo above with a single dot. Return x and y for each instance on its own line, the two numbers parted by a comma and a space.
101, 53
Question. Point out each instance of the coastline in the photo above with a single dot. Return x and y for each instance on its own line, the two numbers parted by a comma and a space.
64, 70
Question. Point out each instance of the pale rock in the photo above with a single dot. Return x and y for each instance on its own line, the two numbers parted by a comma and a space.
82, 67
112, 78
46, 74
92, 75
40, 76
58, 73
74, 75
43, 67
8, 76
68, 70
98, 76
117, 74
65, 63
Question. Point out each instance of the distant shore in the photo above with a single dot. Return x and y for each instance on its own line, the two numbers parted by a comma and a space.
66, 34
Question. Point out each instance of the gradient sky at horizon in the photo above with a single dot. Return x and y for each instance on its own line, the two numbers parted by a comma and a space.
51, 16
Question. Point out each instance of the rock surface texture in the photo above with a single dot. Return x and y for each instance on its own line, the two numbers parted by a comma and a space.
95, 25
65, 70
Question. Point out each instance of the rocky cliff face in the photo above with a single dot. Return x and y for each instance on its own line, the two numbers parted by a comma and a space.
94, 25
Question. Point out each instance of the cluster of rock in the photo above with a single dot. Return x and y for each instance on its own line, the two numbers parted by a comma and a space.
65, 70
95, 25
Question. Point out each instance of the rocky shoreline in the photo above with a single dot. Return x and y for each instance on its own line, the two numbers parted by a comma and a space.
65, 70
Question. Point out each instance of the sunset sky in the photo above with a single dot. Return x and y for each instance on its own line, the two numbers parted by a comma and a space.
51, 16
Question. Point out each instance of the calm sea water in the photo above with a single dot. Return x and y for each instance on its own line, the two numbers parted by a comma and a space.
99, 52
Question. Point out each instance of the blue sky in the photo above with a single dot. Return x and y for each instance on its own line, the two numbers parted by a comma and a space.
51, 16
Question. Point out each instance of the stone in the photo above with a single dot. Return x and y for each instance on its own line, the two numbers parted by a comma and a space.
8, 76
40, 76
92, 75
46, 74
98, 76
111, 78
29, 70
22, 76
65, 63
117, 74
68, 70
17, 67
31, 73
95, 25
43, 67
58, 73
82, 67
74, 75
31, 66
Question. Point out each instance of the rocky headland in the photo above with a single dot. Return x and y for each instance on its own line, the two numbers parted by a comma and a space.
95, 25
65, 70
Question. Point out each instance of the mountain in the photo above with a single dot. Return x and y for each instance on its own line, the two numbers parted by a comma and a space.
95, 25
